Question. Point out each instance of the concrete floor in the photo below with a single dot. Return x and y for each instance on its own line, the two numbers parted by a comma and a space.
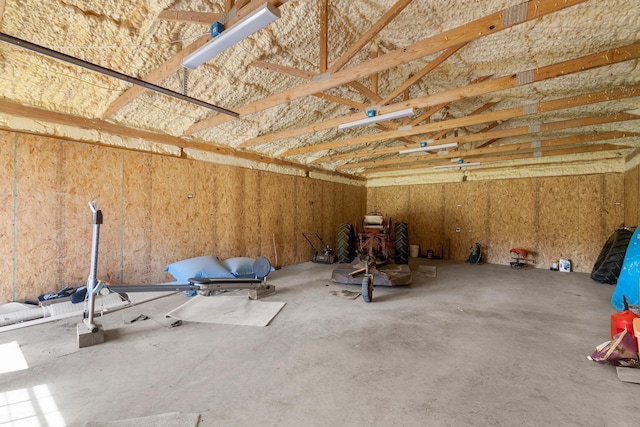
477, 345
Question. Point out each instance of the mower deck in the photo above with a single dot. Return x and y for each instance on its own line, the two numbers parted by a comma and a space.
385, 275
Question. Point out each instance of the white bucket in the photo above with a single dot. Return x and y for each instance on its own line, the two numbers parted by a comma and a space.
414, 251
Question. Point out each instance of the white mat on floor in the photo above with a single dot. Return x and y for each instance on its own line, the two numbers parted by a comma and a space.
227, 310
171, 419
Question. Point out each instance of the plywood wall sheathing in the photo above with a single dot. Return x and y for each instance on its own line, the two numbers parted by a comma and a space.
157, 210
205, 207
7, 154
229, 194
590, 192
250, 203
137, 226
513, 219
466, 210
427, 218
308, 204
551, 217
558, 211
271, 218
613, 204
88, 173
631, 197
286, 240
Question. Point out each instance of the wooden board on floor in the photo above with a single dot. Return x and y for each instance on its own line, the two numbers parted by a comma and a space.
628, 375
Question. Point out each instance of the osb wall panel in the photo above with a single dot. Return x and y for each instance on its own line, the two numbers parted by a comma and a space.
75, 189
513, 214
590, 227
426, 218
272, 198
157, 210
137, 227
392, 202
465, 208
37, 185
559, 205
551, 217
631, 197
230, 194
353, 205
476, 216
6, 215
286, 206
614, 204
308, 203
251, 202
172, 214
205, 213
329, 205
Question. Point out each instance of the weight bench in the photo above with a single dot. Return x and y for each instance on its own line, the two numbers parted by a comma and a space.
257, 285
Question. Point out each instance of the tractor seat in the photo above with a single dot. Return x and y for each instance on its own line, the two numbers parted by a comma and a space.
373, 220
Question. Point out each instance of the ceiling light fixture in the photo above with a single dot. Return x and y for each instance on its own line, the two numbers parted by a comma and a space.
256, 20
458, 165
375, 119
429, 147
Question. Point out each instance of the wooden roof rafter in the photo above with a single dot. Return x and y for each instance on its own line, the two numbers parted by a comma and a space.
504, 133
490, 24
533, 154
324, 35
504, 115
596, 60
204, 18
370, 94
385, 150
423, 72
369, 35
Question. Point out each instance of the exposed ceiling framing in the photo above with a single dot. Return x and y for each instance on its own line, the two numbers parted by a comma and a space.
508, 81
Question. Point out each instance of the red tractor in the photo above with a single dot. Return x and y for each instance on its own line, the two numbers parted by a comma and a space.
374, 241
370, 250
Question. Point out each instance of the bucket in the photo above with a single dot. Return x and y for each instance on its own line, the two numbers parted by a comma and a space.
414, 251
623, 320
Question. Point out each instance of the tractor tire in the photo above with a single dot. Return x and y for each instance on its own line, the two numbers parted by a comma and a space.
609, 263
344, 247
367, 288
401, 239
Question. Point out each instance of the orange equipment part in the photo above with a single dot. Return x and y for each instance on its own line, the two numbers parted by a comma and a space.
522, 252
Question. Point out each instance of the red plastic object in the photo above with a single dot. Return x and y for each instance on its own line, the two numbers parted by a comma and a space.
522, 252
623, 320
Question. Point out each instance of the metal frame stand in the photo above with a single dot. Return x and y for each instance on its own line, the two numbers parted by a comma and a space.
89, 333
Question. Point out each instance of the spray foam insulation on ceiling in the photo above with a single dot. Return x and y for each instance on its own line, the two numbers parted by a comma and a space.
134, 39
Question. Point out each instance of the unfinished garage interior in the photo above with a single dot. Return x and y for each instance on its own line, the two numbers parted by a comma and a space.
231, 129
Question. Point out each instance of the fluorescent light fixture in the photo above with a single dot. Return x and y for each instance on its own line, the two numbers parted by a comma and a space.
376, 119
457, 165
256, 20
429, 148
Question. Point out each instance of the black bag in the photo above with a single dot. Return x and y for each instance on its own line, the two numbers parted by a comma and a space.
475, 257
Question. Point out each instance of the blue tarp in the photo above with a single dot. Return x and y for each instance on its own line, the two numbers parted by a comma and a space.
627, 285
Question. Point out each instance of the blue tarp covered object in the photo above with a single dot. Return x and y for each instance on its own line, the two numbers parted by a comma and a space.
627, 285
